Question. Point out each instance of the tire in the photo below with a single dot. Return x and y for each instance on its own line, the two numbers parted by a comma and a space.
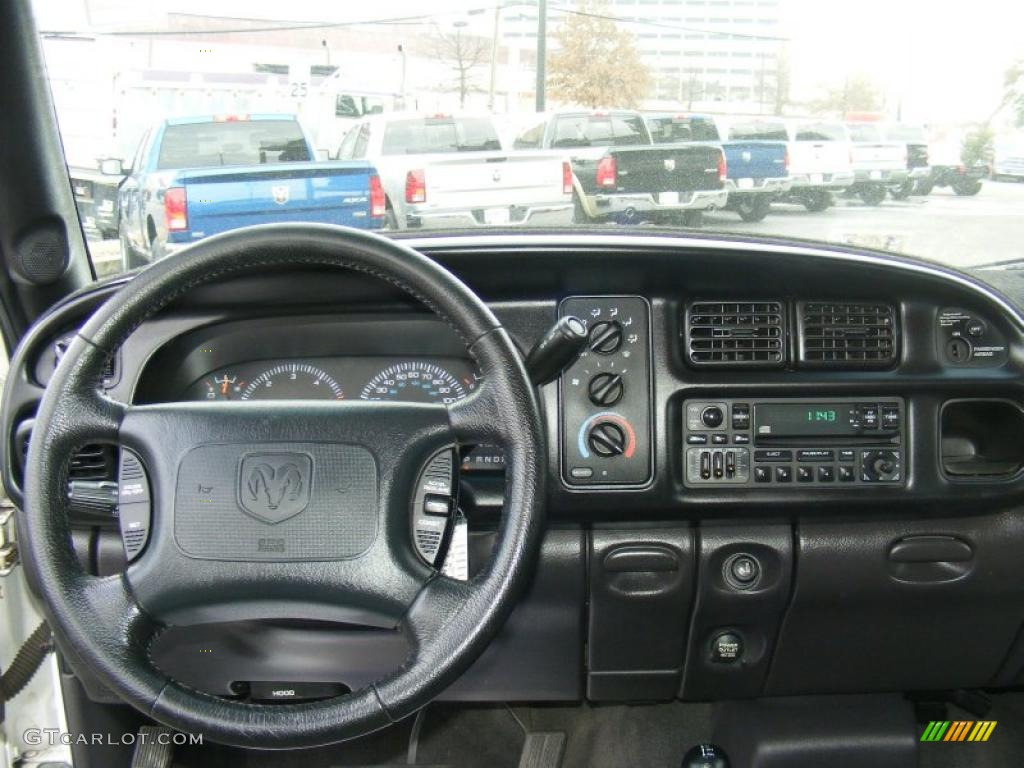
579, 215
817, 200
924, 187
692, 219
903, 191
753, 208
872, 194
967, 187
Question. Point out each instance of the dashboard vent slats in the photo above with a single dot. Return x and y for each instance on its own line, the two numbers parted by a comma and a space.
739, 334
847, 335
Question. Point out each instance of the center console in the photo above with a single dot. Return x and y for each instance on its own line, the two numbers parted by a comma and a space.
779, 442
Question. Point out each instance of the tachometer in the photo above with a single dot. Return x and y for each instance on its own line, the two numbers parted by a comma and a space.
293, 381
418, 382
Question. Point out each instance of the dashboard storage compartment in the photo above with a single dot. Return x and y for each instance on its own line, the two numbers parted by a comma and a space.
641, 588
901, 605
982, 439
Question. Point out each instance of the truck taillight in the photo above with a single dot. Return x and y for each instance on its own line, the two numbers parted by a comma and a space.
607, 172
175, 209
377, 204
566, 179
785, 159
722, 169
415, 187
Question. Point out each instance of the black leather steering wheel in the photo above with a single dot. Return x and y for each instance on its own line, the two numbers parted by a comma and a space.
359, 461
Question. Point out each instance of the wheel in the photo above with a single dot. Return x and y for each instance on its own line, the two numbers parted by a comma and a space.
903, 191
967, 187
579, 214
352, 459
816, 200
872, 194
693, 219
753, 207
924, 187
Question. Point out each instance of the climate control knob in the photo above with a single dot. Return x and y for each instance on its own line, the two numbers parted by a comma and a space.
712, 417
606, 337
606, 389
606, 439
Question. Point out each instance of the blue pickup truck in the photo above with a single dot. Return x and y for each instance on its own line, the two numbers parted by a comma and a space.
197, 176
757, 165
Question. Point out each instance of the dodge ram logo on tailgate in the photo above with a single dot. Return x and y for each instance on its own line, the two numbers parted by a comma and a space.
274, 486
280, 194
670, 164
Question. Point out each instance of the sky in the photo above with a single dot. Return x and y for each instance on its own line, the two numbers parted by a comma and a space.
943, 59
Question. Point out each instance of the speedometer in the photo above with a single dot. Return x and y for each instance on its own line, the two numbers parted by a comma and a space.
417, 382
293, 381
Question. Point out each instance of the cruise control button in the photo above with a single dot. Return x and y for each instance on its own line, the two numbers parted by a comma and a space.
437, 505
773, 455
783, 475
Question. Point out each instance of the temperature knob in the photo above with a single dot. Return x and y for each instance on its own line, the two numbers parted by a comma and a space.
606, 389
606, 439
606, 337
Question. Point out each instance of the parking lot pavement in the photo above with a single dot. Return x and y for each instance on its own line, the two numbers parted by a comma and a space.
956, 231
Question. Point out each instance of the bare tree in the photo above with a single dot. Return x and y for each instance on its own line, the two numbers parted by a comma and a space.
463, 54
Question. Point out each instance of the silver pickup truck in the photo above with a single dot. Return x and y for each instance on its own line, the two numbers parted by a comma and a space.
450, 171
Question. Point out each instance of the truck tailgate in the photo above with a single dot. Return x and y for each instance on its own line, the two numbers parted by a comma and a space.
755, 159
491, 179
879, 156
220, 199
825, 157
671, 168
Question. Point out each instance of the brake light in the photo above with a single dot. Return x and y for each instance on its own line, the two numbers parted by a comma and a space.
416, 187
377, 204
175, 209
722, 169
566, 179
230, 118
785, 159
607, 172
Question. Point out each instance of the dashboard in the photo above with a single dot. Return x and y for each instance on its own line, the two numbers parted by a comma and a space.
775, 469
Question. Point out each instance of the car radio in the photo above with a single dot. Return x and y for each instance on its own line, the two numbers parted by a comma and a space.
782, 442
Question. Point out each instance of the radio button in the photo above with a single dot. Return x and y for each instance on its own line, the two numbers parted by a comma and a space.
741, 416
762, 474
741, 439
773, 454
804, 474
697, 439
783, 475
847, 454
846, 474
825, 475
890, 416
815, 454
869, 416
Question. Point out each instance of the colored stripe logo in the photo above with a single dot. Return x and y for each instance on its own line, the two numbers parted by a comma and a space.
958, 730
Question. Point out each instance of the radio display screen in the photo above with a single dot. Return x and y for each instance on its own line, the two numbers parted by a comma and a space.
800, 419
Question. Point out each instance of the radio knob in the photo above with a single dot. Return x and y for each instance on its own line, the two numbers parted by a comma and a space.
606, 337
712, 417
606, 389
607, 439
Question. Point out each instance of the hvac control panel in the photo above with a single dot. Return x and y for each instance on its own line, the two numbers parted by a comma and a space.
786, 442
605, 396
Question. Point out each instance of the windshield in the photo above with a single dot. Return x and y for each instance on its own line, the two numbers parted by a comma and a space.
896, 126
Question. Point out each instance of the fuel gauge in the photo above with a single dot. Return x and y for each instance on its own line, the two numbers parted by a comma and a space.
223, 386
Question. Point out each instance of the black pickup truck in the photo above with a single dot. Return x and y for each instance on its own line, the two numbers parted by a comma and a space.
621, 175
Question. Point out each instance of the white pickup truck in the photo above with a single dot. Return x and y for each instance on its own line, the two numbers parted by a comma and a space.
877, 163
819, 162
450, 171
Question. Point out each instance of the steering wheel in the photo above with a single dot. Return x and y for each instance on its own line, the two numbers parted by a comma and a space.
342, 472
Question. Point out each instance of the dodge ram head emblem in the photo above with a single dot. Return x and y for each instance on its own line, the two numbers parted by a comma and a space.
746, 156
273, 487
670, 164
281, 194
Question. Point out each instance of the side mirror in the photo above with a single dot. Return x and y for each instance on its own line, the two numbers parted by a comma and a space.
112, 166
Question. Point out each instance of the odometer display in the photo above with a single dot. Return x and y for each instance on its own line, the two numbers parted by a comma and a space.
293, 381
417, 382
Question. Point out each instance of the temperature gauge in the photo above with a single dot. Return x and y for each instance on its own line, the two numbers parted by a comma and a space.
223, 386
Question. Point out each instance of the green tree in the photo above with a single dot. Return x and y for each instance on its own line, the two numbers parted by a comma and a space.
597, 63
1013, 92
858, 93
977, 147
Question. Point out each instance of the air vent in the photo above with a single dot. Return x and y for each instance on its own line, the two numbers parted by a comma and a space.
847, 335
91, 462
736, 334
60, 347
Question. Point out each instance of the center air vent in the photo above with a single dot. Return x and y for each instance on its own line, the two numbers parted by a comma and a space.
737, 334
847, 335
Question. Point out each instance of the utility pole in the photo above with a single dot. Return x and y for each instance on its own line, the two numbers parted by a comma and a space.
494, 58
542, 51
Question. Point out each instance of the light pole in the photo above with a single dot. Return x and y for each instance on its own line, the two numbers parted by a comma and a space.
494, 58
542, 51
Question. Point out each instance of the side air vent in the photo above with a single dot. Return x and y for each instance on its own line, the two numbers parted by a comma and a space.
60, 347
847, 335
736, 334
95, 461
